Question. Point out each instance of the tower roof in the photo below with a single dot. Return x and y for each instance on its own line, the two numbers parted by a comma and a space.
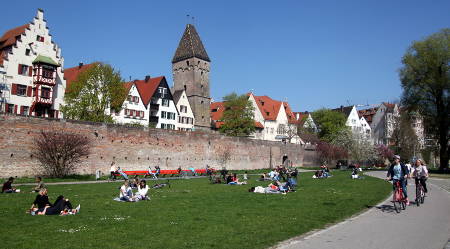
190, 46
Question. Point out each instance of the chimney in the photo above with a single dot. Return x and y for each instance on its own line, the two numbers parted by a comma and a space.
80, 65
147, 77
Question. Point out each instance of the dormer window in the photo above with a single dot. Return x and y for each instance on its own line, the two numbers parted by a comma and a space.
262, 103
267, 113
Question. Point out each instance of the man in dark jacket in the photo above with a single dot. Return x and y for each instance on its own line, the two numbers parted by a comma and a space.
398, 172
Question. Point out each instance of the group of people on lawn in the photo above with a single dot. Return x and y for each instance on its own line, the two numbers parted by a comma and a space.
283, 180
126, 191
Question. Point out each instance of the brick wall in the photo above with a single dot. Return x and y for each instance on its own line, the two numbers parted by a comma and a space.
138, 148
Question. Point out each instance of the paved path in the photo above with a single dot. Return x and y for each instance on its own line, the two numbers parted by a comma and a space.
424, 227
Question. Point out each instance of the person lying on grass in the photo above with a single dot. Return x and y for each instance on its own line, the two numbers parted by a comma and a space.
62, 206
39, 185
7, 186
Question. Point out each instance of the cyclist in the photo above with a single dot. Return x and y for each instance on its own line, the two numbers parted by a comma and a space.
420, 174
398, 172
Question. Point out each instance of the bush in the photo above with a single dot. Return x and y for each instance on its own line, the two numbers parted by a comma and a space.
60, 152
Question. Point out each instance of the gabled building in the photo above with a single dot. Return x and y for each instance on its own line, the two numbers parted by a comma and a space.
357, 124
31, 77
186, 119
149, 102
306, 121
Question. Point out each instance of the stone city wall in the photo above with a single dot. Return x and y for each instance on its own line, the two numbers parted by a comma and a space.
137, 148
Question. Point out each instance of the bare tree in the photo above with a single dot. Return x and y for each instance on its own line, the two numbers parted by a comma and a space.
60, 152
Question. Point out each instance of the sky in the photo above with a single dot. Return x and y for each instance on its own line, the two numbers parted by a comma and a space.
314, 54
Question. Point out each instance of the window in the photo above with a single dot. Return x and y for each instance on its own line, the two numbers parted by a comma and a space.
27, 51
21, 90
47, 73
25, 110
129, 97
23, 70
165, 102
45, 93
162, 91
10, 108
38, 38
163, 114
280, 129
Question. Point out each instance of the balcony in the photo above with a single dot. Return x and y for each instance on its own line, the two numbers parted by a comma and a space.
45, 101
39, 79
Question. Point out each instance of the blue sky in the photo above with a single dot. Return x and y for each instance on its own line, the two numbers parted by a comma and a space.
312, 53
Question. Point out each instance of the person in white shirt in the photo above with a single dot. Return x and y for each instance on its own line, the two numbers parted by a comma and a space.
420, 174
125, 192
142, 192
113, 171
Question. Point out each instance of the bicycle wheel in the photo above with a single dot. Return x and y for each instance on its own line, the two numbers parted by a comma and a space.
397, 206
422, 196
418, 196
403, 204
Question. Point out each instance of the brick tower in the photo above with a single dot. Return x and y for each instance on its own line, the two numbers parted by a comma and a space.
190, 67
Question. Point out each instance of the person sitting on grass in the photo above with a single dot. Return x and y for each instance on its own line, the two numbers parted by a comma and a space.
62, 206
317, 174
40, 185
355, 173
125, 192
142, 191
41, 201
230, 179
235, 179
135, 183
7, 186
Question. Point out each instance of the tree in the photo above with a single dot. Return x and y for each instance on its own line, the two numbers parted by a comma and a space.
404, 139
329, 123
60, 152
329, 152
93, 93
384, 153
238, 116
425, 79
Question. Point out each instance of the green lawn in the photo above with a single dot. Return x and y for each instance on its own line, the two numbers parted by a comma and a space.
190, 214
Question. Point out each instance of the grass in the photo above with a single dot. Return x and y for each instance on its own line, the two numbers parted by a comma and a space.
190, 214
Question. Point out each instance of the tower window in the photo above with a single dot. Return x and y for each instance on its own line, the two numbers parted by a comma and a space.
27, 51
185, 87
201, 86
201, 102
187, 63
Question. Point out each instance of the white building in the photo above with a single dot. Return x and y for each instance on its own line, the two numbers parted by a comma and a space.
186, 120
31, 77
358, 125
383, 122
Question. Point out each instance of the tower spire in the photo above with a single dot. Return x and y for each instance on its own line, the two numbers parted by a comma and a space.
190, 46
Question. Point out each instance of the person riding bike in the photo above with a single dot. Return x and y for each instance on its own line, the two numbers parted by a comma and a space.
398, 172
420, 174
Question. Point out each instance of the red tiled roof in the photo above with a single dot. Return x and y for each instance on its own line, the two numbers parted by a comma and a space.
71, 74
9, 38
368, 114
217, 115
147, 88
301, 117
290, 115
268, 107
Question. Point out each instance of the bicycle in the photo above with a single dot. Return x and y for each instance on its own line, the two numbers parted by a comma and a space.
398, 198
420, 193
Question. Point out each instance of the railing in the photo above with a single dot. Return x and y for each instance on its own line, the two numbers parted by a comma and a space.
39, 79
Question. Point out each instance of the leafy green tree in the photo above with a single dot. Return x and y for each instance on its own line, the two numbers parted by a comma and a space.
425, 78
329, 123
95, 91
238, 116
